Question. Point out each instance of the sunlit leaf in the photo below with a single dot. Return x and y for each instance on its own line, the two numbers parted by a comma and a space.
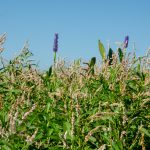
102, 50
143, 130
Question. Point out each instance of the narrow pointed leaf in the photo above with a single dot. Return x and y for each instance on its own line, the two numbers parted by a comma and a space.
50, 71
102, 50
92, 62
120, 53
109, 56
143, 130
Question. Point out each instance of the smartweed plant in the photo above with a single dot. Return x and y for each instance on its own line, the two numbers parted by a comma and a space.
100, 107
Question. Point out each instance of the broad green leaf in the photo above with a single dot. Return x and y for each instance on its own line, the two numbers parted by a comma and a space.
143, 130
48, 107
92, 139
120, 53
92, 62
67, 126
5, 145
109, 56
102, 50
50, 71
115, 146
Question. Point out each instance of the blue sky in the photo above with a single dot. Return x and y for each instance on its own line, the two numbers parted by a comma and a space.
80, 24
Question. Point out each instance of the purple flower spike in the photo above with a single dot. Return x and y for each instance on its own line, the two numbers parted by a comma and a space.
55, 48
126, 41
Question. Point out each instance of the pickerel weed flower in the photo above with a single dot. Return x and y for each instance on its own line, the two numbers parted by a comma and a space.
126, 41
55, 48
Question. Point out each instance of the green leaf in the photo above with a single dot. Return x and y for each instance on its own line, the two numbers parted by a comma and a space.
115, 146
92, 139
67, 126
5, 145
120, 53
143, 130
48, 107
3, 119
92, 64
50, 71
109, 56
102, 50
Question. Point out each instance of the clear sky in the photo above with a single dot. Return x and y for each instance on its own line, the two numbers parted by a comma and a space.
79, 23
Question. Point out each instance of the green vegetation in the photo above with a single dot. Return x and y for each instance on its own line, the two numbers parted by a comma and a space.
75, 106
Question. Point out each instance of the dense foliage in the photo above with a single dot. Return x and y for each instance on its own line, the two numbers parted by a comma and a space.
75, 106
